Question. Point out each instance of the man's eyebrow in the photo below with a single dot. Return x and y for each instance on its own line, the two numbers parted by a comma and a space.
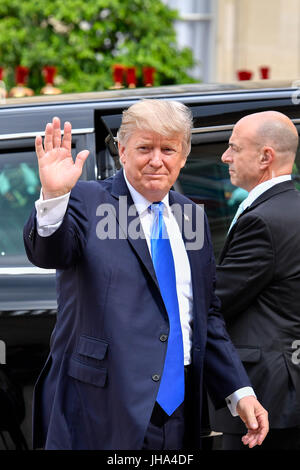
143, 140
232, 144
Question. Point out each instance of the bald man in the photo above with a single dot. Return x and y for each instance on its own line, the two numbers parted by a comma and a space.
258, 276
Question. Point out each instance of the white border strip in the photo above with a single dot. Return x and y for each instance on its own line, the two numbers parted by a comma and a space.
226, 127
28, 135
26, 270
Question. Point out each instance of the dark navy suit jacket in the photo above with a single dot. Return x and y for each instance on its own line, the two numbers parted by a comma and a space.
258, 281
99, 384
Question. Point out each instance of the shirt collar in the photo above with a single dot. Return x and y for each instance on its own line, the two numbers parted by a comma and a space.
140, 202
262, 187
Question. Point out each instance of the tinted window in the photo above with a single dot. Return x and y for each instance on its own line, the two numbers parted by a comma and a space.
19, 188
205, 180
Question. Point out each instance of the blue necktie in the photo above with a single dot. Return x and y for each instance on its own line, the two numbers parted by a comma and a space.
171, 390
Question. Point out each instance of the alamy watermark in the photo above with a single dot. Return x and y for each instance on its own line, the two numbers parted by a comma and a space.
124, 222
2, 352
296, 93
296, 353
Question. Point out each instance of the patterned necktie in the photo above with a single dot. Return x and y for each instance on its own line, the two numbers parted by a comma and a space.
240, 209
171, 390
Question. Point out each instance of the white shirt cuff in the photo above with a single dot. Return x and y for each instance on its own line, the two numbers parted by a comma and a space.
232, 400
50, 213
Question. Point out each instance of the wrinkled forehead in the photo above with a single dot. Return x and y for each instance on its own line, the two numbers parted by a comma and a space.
148, 136
244, 133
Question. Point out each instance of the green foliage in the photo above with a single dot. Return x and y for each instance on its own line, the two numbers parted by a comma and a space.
84, 38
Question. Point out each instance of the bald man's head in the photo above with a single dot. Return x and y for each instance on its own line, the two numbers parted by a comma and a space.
262, 146
274, 129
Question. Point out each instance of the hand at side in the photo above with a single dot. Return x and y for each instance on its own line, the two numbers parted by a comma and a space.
256, 420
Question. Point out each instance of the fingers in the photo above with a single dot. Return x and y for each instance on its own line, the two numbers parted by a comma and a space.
67, 138
255, 418
253, 438
256, 436
39, 147
53, 139
56, 132
263, 427
52, 135
48, 139
81, 158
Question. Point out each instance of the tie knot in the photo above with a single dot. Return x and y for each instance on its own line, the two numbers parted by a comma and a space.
159, 230
157, 207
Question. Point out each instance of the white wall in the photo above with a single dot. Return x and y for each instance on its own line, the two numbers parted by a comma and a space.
196, 29
257, 33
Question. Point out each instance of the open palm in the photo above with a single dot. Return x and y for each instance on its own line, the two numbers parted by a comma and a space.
57, 169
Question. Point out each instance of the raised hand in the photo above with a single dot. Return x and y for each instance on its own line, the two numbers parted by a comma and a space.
58, 172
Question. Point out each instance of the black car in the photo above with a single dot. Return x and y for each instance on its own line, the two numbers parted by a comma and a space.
27, 293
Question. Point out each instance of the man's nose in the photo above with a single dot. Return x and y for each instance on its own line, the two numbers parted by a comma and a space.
156, 158
226, 156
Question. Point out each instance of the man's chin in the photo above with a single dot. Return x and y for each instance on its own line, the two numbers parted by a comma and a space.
233, 180
154, 192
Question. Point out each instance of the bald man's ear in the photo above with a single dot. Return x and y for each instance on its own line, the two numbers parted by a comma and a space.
267, 156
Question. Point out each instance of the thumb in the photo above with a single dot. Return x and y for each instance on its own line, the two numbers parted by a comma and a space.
250, 421
247, 411
81, 158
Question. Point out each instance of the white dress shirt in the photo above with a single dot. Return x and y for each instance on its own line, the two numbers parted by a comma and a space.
262, 187
181, 262
50, 214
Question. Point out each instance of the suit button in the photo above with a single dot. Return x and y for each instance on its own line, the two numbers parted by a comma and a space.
155, 377
163, 338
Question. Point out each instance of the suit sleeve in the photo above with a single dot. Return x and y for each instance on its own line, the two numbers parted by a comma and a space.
224, 372
247, 267
64, 247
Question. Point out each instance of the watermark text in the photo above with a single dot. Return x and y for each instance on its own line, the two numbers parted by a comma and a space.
2, 352
124, 222
296, 353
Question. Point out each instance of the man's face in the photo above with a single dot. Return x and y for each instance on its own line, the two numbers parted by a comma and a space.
242, 157
152, 162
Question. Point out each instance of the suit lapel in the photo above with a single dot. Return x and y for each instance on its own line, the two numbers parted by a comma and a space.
139, 244
276, 189
180, 218
196, 265
127, 216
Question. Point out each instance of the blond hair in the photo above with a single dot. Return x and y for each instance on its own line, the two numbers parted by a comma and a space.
161, 116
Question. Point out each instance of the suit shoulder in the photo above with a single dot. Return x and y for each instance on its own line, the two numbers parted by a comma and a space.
178, 198
181, 199
89, 188
272, 218
283, 205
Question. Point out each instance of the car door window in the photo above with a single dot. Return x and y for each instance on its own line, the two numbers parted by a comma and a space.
205, 180
19, 189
